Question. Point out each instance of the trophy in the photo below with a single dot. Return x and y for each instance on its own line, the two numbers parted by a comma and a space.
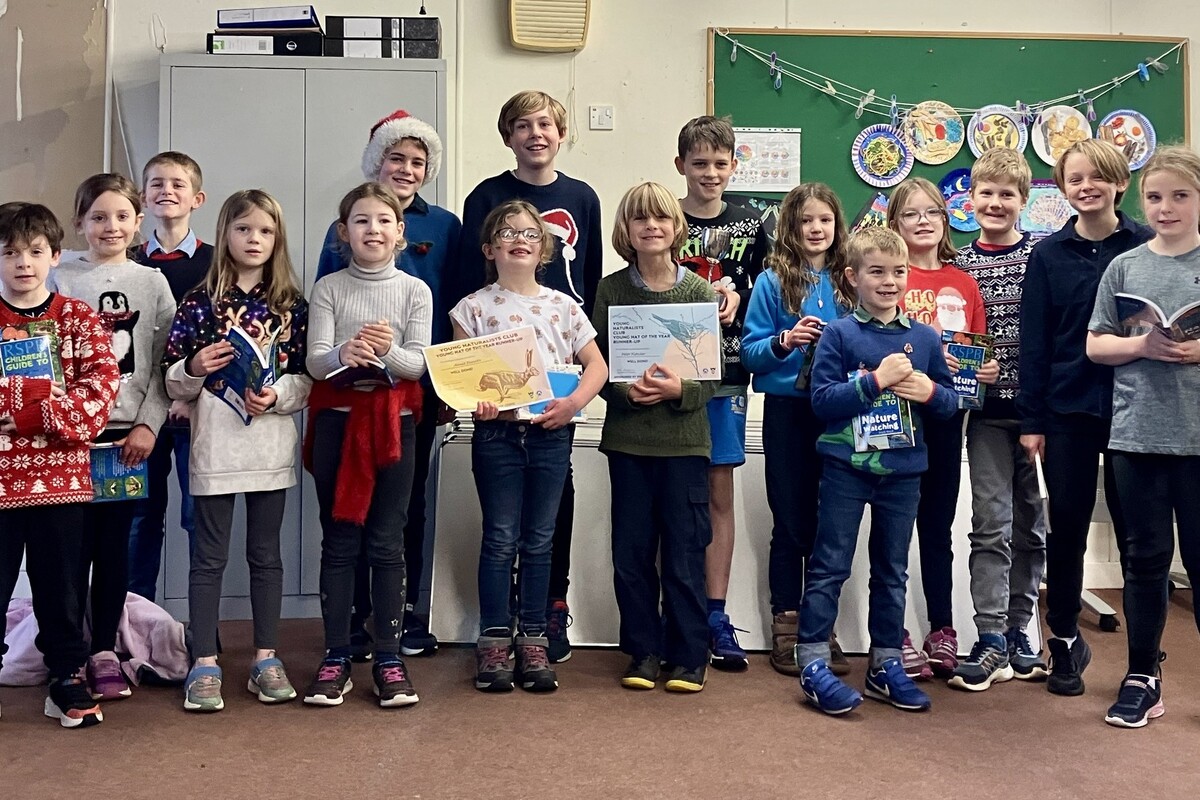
714, 245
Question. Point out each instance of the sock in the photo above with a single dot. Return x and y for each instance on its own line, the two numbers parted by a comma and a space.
386, 658
339, 652
1070, 640
716, 605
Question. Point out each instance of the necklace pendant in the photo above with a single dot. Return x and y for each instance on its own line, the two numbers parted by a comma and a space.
820, 302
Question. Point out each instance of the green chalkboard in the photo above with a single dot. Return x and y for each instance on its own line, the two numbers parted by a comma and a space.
966, 71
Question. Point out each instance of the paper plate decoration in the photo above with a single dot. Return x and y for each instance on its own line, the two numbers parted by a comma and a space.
880, 156
996, 126
933, 131
1056, 129
1047, 210
956, 189
1132, 133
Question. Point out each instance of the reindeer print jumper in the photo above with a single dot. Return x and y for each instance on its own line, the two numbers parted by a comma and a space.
561, 327
228, 456
135, 306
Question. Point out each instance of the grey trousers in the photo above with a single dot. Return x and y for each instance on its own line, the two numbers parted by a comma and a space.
214, 526
1008, 534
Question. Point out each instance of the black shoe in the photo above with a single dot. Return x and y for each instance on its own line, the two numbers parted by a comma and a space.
1067, 666
687, 680
558, 619
362, 645
69, 701
641, 674
1139, 701
416, 640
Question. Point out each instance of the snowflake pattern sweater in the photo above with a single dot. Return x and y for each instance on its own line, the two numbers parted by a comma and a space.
1000, 273
46, 460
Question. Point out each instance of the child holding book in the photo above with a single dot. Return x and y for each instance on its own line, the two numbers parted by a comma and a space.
804, 288
252, 286
948, 299
360, 444
520, 465
45, 428
1155, 441
1008, 534
136, 307
891, 357
1066, 399
656, 438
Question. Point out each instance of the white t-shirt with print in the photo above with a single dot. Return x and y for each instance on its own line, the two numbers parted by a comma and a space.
561, 327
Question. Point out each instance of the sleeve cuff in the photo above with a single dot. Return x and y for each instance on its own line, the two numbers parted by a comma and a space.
34, 391
29, 420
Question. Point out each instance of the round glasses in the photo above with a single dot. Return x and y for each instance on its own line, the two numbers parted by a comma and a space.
911, 216
510, 235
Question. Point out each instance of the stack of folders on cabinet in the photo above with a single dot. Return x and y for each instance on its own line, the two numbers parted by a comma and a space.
272, 31
383, 37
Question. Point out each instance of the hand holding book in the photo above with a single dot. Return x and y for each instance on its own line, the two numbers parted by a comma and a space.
1158, 346
357, 353
210, 359
916, 388
378, 335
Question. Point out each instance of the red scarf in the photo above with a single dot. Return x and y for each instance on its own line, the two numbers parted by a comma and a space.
371, 442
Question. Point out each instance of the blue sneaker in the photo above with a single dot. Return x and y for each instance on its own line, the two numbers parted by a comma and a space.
727, 654
826, 691
888, 683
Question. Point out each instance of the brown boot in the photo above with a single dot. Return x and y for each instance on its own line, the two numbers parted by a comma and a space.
838, 663
783, 643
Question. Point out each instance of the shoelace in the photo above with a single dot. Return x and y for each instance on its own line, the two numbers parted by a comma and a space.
534, 657
271, 676
727, 636
1064, 665
329, 671
206, 686
392, 673
493, 657
557, 621
942, 647
978, 652
1021, 644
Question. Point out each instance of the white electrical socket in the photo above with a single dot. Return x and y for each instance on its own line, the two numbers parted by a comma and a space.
600, 118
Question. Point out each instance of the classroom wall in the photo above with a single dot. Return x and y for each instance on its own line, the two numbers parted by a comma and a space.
647, 58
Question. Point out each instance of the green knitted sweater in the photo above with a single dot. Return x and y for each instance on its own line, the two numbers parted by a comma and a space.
674, 428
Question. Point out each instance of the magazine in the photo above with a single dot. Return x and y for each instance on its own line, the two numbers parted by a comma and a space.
1139, 315
886, 425
564, 379
368, 377
112, 480
31, 350
972, 350
252, 369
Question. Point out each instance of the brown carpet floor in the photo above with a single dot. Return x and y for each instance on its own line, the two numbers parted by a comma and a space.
746, 735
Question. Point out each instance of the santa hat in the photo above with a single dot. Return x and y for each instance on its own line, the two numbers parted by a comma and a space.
390, 130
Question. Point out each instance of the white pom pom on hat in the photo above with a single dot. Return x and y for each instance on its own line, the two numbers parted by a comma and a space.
390, 130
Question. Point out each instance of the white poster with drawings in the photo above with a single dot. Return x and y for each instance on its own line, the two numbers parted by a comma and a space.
768, 160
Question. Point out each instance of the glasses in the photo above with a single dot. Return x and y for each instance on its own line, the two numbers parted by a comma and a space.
510, 235
911, 216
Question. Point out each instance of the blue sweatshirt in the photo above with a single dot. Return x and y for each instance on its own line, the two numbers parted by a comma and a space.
775, 369
432, 233
856, 342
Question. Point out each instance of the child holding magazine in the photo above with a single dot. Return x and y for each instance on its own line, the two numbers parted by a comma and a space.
520, 466
250, 286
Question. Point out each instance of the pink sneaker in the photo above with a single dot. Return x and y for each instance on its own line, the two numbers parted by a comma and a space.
105, 678
941, 650
914, 662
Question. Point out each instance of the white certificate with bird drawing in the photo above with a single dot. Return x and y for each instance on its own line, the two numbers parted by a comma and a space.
504, 368
685, 337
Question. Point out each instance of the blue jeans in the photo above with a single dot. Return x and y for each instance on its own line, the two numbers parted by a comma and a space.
519, 472
148, 529
844, 493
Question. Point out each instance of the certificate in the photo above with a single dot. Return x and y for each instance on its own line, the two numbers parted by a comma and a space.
683, 336
504, 368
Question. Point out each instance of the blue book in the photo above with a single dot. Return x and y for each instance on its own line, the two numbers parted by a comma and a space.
886, 425
252, 369
31, 350
972, 350
564, 379
112, 480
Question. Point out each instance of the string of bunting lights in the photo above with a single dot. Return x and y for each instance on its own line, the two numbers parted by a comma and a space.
869, 102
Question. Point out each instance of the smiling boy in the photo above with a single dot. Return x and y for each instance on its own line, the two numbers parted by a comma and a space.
534, 125
1008, 534
881, 349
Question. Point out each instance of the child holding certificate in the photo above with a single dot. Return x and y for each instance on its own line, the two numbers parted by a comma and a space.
520, 465
657, 440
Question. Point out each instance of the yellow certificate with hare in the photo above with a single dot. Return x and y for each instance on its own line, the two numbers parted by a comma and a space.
504, 368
